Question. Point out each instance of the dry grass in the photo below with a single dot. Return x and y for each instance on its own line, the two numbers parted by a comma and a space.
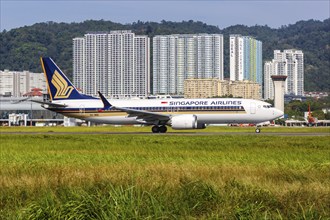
290, 176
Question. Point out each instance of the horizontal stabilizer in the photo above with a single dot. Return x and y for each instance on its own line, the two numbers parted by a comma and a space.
49, 104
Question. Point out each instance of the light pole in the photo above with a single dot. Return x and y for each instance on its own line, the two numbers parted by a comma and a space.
31, 113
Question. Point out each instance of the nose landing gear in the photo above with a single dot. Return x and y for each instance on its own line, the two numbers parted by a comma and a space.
159, 129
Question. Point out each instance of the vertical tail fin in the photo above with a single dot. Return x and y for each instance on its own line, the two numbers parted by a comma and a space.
59, 86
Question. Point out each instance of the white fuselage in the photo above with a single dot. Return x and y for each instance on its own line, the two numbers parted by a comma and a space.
207, 111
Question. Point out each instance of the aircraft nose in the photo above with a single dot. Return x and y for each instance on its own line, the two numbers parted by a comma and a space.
279, 113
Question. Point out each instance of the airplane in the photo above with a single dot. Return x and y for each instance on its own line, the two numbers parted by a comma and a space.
158, 113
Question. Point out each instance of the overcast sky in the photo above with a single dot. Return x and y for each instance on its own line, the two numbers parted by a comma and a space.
16, 14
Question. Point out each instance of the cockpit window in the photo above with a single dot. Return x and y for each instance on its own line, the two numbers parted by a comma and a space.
267, 106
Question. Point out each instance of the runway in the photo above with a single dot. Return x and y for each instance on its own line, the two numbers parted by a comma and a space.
177, 133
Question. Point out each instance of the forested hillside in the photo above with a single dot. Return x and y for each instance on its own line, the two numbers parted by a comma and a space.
21, 48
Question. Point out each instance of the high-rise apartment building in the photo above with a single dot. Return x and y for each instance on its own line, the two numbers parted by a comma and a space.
289, 63
116, 64
17, 83
245, 58
268, 88
179, 57
79, 67
141, 84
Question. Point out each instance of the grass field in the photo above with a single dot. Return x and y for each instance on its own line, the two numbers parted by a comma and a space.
101, 176
148, 129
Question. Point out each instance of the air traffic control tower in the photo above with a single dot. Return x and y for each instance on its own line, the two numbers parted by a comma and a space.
279, 88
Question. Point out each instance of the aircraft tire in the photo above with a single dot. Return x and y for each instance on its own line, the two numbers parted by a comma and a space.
258, 130
162, 129
155, 129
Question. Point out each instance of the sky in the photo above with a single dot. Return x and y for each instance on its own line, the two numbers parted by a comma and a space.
221, 13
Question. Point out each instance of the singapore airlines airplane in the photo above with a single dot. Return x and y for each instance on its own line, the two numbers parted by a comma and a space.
177, 113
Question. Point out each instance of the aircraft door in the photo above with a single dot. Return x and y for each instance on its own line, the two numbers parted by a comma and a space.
82, 109
252, 108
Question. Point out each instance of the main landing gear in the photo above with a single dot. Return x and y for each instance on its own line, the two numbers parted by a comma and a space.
258, 130
159, 129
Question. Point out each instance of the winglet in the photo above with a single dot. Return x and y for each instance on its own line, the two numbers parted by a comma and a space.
106, 103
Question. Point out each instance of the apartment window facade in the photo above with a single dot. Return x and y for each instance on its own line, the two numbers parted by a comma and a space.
245, 58
179, 57
116, 63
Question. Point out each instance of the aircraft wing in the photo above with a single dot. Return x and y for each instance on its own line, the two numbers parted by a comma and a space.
145, 117
22, 100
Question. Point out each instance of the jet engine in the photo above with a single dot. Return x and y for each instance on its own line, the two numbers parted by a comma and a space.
186, 122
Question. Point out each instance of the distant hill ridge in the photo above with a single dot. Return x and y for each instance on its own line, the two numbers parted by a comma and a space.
21, 48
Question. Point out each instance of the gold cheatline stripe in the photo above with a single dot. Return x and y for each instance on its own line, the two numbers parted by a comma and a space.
102, 114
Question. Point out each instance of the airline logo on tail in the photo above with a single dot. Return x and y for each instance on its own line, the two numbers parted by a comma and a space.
63, 90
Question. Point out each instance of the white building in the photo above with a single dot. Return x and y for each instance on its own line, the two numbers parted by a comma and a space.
236, 57
245, 58
179, 57
79, 67
289, 63
269, 70
141, 82
116, 64
17, 83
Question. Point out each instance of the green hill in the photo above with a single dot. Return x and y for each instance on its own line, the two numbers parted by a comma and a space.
21, 48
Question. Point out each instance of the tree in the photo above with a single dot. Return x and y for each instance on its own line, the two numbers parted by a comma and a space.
21, 47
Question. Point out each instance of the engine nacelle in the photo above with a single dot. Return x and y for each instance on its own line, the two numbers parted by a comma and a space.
186, 122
